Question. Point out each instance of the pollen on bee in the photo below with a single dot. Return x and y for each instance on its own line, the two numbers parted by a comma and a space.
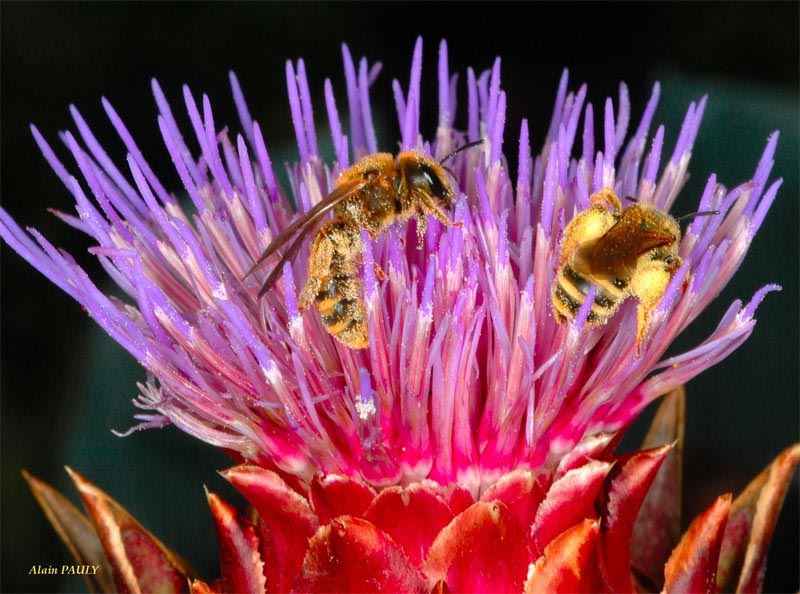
612, 254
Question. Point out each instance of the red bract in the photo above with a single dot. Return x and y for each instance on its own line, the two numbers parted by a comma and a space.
568, 563
566, 529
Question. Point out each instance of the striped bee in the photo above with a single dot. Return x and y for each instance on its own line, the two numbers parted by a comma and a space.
622, 253
377, 191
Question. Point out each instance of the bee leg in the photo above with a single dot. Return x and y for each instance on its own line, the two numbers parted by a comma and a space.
642, 322
648, 285
309, 292
430, 206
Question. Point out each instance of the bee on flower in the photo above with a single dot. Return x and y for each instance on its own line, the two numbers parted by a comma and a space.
616, 253
446, 419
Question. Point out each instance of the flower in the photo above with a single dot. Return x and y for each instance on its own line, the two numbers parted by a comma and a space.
468, 374
470, 388
570, 531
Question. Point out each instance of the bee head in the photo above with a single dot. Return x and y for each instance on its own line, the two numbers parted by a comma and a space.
651, 222
428, 177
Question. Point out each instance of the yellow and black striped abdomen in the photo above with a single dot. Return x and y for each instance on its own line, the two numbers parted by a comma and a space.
334, 285
341, 306
569, 293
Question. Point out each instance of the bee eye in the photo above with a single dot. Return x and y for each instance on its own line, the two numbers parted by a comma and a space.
433, 181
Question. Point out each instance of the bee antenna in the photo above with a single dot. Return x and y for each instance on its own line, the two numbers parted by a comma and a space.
463, 147
631, 199
704, 213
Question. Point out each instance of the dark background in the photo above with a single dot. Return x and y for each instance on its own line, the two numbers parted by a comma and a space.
65, 384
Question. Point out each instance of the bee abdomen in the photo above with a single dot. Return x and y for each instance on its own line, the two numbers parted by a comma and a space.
569, 293
341, 308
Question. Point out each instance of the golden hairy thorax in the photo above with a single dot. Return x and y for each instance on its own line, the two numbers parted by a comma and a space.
389, 190
621, 253
374, 193
392, 191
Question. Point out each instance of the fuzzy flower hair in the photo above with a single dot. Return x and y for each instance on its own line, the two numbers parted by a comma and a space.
468, 374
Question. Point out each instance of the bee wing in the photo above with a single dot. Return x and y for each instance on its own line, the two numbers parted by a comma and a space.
303, 223
616, 251
648, 241
287, 256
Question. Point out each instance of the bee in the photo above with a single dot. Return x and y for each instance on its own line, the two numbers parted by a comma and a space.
377, 191
622, 253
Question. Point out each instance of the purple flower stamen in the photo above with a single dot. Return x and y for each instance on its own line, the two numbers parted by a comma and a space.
468, 374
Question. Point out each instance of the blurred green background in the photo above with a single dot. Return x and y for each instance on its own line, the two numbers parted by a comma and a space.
65, 384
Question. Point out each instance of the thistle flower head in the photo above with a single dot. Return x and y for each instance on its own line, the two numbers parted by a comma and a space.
468, 374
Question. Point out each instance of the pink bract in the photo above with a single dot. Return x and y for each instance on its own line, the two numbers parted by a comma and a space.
566, 531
